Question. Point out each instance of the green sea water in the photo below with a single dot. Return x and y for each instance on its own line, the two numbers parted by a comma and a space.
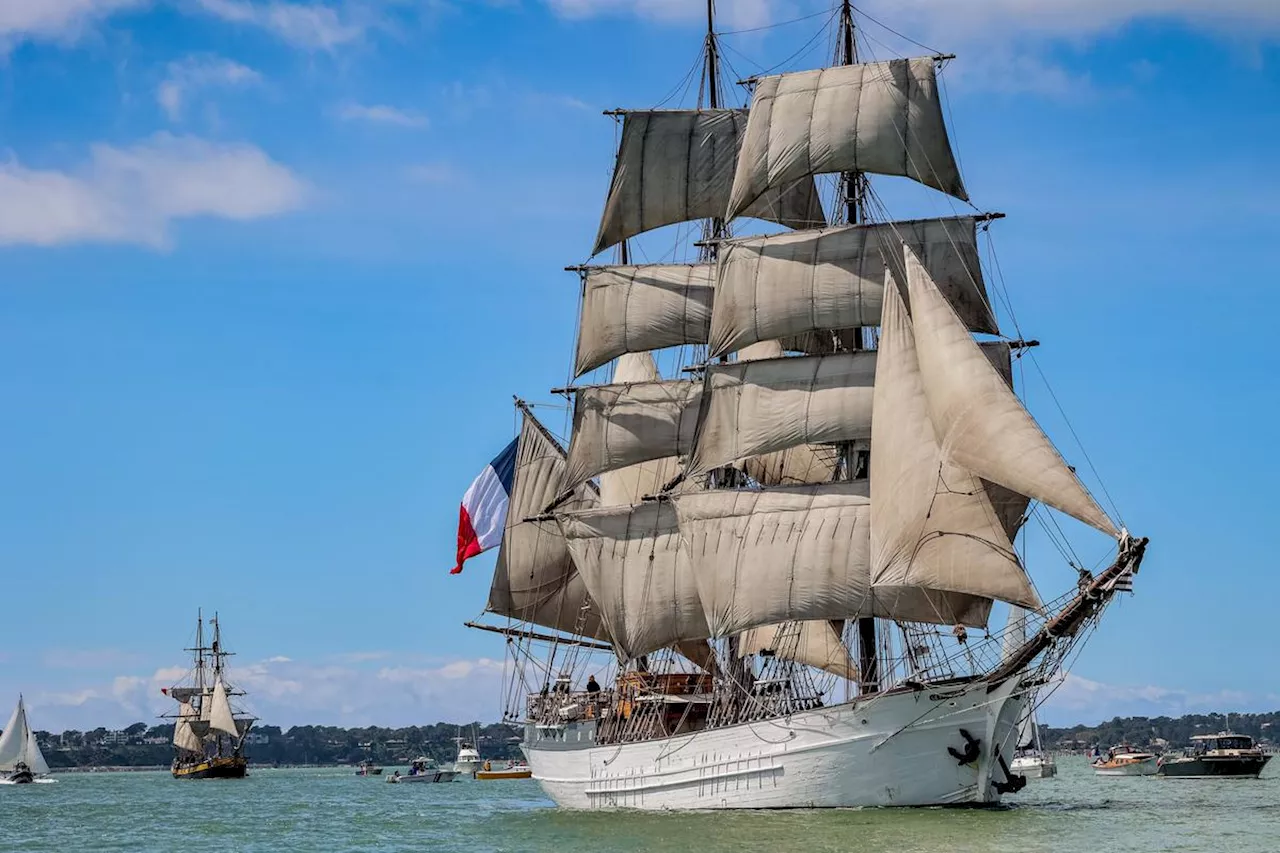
334, 810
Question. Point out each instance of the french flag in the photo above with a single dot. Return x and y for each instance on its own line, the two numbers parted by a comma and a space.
484, 507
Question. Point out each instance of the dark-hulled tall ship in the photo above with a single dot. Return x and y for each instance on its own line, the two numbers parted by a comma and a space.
208, 732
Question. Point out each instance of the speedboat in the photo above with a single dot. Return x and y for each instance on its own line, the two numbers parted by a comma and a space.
367, 768
513, 770
1125, 760
423, 770
1223, 754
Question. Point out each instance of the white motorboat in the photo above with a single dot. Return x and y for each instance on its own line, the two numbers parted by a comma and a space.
1125, 760
423, 770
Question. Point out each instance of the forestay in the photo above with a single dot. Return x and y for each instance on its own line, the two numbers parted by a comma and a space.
641, 308
934, 526
678, 165
816, 643
979, 422
880, 117
625, 423
534, 579
786, 285
630, 560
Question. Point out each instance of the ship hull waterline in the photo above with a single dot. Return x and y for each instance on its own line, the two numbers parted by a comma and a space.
891, 750
214, 768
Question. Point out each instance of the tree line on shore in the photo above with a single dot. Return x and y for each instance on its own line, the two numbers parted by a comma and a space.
1173, 732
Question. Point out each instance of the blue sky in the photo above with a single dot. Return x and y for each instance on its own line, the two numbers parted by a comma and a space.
270, 273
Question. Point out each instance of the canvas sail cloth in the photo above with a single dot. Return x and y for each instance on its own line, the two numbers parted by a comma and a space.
183, 736
933, 526
629, 558
642, 308
220, 716
622, 424
752, 408
534, 579
797, 554
18, 744
879, 117
816, 643
787, 285
678, 165
979, 423
630, 484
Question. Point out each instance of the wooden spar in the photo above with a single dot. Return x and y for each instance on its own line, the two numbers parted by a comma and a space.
535, 635
1073, 616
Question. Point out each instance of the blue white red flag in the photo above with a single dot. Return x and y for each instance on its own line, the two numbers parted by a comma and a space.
484, 507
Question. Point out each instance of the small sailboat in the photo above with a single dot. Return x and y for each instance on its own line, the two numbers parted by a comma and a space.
1125, 760
208, 733
21, 761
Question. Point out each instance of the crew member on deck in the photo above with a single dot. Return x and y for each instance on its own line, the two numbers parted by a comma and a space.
592, 686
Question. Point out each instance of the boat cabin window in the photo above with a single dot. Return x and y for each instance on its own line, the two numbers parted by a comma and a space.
1233, 743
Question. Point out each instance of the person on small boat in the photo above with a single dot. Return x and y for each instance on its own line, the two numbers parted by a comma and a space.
592, 686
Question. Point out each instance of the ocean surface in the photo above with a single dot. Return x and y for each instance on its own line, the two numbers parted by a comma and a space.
334, 810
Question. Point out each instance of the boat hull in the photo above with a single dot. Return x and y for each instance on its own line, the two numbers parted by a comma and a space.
890, 750
1237, 766
20, 777
1137, 767
495, 775
234, 767
429, 776
1034, 768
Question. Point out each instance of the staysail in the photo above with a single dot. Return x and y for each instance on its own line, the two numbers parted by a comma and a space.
678, 165
183, 736
880, 117
979, 422
933, 525
534, 579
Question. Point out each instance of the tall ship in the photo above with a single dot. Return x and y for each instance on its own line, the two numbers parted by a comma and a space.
762, 573
209, 729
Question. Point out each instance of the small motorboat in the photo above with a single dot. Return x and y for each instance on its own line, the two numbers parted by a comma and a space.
1221, 755
513, 770
1125, 760
20, 775
423, 770
367, 768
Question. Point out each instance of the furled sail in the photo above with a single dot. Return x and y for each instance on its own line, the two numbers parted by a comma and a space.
220, 716
816, 643
881, 117
755, 407
622, 424
641, 308
787, 285
628, 485
678, 165
183, 737
18, 744
787, 554
807, 464
630, 560
534, 579
979, 422
933, 526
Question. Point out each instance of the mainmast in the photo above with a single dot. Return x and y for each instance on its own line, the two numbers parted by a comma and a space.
713, 229
853, 192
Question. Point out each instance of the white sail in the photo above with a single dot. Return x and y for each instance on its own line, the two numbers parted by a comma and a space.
642, 308
534, 579
623, 424
881, 117
630, 560
630, 484
18, 744
678, 165
183, 736
933, 526
220, 716
979, 422
786, 285
756, 407
816, 643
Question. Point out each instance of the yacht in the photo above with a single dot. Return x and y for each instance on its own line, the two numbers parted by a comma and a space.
1223, 754
1125, 760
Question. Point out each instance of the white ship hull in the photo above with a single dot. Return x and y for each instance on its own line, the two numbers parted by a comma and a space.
888, 751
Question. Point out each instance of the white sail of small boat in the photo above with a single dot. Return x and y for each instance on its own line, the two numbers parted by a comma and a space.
20, 757
774, 553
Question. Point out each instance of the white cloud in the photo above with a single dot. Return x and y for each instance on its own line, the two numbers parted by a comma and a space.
316, 26
56, 20
196, 72
733, 13
381, 114
133, 195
